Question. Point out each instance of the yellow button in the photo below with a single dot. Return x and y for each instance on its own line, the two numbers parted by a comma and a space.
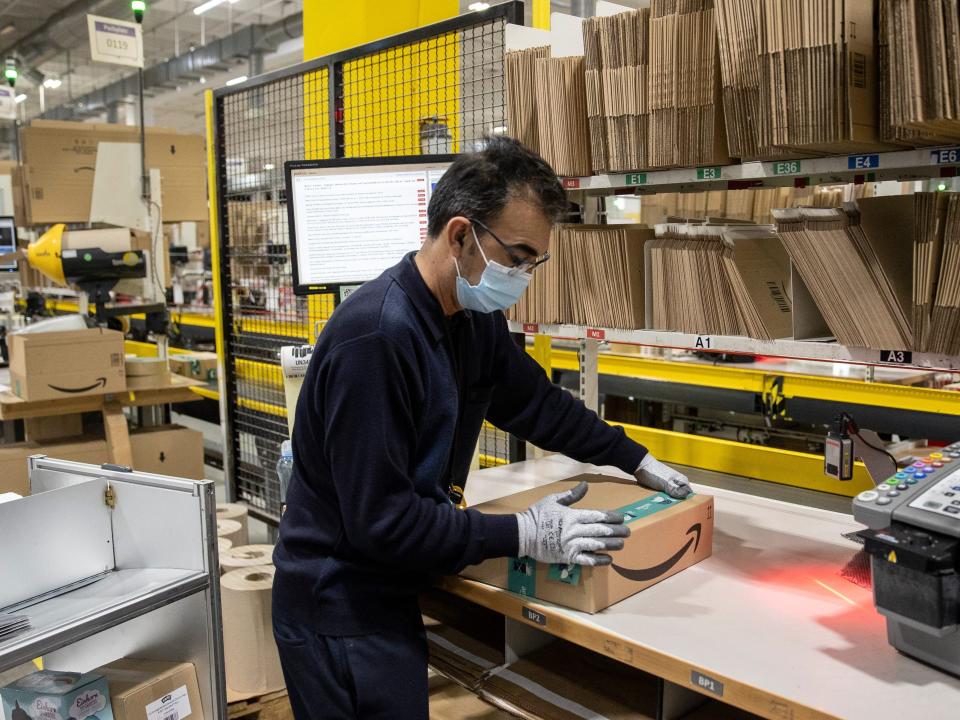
936, 456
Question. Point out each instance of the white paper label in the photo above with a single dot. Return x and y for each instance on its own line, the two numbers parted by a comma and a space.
174, 706
294, 360
8, 104
115, 41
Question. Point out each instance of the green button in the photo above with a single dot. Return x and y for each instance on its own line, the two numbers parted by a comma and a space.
892, 481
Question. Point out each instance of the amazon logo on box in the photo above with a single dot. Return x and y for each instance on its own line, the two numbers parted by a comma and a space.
666, 537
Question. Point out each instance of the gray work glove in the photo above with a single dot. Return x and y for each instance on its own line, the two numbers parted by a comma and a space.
655, 475
553, 532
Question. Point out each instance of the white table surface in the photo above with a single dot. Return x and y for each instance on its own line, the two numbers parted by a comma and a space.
768, 609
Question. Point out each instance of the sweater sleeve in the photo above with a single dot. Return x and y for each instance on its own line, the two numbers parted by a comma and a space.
368, 408
527, 404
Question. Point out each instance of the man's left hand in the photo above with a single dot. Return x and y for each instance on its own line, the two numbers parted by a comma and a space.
655, 475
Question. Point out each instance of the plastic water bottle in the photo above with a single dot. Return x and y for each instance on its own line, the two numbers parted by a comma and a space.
284, 471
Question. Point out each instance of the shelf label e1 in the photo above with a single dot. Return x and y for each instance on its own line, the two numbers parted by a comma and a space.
635, 179
945, 156
787, 167
709, 173
863, 162
896, 357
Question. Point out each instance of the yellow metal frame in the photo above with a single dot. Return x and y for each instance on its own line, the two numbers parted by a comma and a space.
795, 385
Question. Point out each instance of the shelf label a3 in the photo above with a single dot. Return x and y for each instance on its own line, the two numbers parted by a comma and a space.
896, 357
594, 334
571, 183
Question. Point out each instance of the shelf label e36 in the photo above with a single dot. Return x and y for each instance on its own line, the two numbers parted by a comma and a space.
786, 167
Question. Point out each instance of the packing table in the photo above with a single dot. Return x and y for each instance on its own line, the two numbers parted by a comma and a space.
766, 624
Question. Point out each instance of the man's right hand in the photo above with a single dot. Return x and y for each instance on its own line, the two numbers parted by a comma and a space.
553, 532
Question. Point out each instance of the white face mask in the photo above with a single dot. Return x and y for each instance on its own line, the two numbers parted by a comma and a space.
499, 287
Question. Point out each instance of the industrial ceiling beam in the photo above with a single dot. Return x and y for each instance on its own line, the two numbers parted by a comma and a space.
215, 56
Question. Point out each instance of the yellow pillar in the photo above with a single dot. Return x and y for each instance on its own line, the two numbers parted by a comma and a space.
541, 14
330, 26
543, 353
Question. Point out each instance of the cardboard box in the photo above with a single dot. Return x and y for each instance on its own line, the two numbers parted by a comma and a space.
144, 367
153, 689
198, 366
167, 450
12, 170
48, 694
55, 365
666, 537
60, 159
55, 427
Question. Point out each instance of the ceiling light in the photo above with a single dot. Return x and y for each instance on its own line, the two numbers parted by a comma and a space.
500, 130
20, 98
209, 5
478, 6
203, 80
52, 83
139, 7
236, 80
269, 166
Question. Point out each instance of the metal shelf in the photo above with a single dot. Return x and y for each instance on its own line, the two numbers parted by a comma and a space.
119, 596
898, 165
799, 349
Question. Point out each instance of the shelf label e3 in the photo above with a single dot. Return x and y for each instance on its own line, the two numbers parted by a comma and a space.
710, 173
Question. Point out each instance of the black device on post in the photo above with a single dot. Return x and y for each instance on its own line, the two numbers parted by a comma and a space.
351, 219
8, 242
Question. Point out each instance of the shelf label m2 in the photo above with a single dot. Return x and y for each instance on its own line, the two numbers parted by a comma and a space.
787, 167
635, 179
709, 173
863, 162
705, 682
896, 357
945, 156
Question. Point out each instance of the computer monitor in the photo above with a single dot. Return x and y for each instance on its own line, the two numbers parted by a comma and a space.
351, 219
8, 242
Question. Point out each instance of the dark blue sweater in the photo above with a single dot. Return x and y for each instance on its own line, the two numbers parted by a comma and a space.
387, 420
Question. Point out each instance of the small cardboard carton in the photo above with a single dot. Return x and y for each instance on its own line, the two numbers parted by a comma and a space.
198, 366
153, 689
56, 365
52, 695
666, 536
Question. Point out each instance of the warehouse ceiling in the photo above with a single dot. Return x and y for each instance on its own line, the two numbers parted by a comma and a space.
49, 38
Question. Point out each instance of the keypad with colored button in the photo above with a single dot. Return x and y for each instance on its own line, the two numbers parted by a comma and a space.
939, 493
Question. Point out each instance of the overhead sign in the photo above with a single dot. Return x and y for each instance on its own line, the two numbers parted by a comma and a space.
8, 103
115, 41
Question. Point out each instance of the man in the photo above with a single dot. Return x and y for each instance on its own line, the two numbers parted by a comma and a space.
401, 380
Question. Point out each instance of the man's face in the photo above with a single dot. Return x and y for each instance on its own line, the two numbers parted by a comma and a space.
523, 229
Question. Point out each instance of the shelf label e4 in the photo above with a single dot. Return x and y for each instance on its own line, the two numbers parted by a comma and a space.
863, 162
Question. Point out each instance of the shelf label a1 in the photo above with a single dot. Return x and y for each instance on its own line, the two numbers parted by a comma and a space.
531, 328
945, 156
709, 173
635, 179
787, 167
703, 342
896, 357
863, 162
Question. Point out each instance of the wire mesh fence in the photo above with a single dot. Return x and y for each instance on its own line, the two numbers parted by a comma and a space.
432, 91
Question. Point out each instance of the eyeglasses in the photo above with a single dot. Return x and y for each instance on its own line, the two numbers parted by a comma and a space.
518, 262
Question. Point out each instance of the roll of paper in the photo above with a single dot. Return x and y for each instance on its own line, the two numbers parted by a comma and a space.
238, 512
246, 556
231, 530
223, 544
252, 661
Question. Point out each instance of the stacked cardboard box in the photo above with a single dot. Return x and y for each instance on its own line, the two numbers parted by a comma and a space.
818, 75
520, 70
686, 111
59, 160
857, 265
920, 51
616, 48
719, 279
561, 110
936, 273
595, 277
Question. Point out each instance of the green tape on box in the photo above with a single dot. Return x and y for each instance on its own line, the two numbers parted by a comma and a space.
569, 574
648, 506
522, 576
